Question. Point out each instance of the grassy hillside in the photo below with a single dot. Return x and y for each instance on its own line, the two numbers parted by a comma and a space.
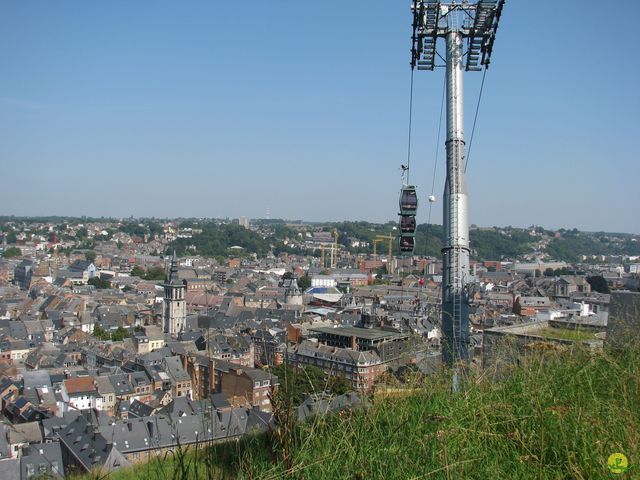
559, 417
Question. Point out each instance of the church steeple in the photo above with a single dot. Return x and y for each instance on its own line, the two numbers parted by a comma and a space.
172, 275
175, 312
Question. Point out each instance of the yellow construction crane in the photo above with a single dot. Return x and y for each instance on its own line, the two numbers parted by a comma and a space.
334, 250
384, 238
334, 256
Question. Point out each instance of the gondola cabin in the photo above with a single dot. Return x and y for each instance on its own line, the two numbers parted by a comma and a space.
407, 244
408, 200
408, 223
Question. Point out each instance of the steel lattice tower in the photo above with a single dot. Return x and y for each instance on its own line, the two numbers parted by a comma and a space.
469, 30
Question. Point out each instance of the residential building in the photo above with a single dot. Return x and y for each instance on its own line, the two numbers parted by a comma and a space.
42, 460
360, 368
245, 386
80, 394
388, 345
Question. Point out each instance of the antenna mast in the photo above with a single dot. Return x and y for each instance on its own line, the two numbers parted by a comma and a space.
469, 31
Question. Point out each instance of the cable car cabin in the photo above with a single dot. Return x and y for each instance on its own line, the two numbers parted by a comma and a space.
407, 244
408, 200
408, 223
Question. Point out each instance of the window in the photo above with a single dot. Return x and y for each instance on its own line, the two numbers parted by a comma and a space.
256, 384
265, 383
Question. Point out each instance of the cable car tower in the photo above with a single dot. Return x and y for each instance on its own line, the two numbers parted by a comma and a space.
469, 31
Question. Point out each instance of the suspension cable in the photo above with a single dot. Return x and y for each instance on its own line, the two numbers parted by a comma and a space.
410, 121
435, 163
475, 118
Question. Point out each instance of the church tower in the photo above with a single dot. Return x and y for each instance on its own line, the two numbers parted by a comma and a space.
292, 292
175, 310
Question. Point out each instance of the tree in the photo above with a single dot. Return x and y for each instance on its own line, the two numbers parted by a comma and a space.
119, 335
380, 271
295, 385
82, 234
339, 385
100, 332
304, 282
99, 283
12, 252
155, 273
138, 271
12, 237
548, 272
90, 256
598, 284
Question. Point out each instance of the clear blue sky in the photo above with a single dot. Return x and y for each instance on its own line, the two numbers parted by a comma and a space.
211, 108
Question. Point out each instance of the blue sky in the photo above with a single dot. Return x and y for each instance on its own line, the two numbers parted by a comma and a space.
211, 108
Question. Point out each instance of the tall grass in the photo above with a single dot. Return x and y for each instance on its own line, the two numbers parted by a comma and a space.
557, 416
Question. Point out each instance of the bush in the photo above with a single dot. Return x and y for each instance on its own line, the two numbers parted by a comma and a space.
12, 252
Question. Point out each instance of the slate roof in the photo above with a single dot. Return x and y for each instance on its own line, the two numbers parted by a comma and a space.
121, 384
11, 469
139, 409
89, 449
255, 374
161, 431
321, 405
51, 426
24, 433
174, 368
48, 454
334, 354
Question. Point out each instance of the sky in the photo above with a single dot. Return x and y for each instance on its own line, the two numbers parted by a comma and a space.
301, 109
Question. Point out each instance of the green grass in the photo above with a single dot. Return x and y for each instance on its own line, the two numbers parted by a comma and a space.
566, 334
560, 417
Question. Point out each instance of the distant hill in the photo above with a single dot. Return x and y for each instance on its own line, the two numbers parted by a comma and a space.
278, 235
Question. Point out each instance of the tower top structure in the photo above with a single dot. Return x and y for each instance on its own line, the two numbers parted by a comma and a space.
476, 22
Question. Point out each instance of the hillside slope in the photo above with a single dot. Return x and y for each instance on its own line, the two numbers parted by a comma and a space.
561, 416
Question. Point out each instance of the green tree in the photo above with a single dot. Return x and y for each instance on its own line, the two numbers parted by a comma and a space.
12, 252
304, 282
100, 332
99, 283
12, 237
338, 385
90, 256
295, 385
548, 272
138, 271
119, 335
155, 273
598, 284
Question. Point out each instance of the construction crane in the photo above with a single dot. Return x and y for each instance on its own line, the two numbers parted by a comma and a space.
334, 257
334, 250
384, 238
